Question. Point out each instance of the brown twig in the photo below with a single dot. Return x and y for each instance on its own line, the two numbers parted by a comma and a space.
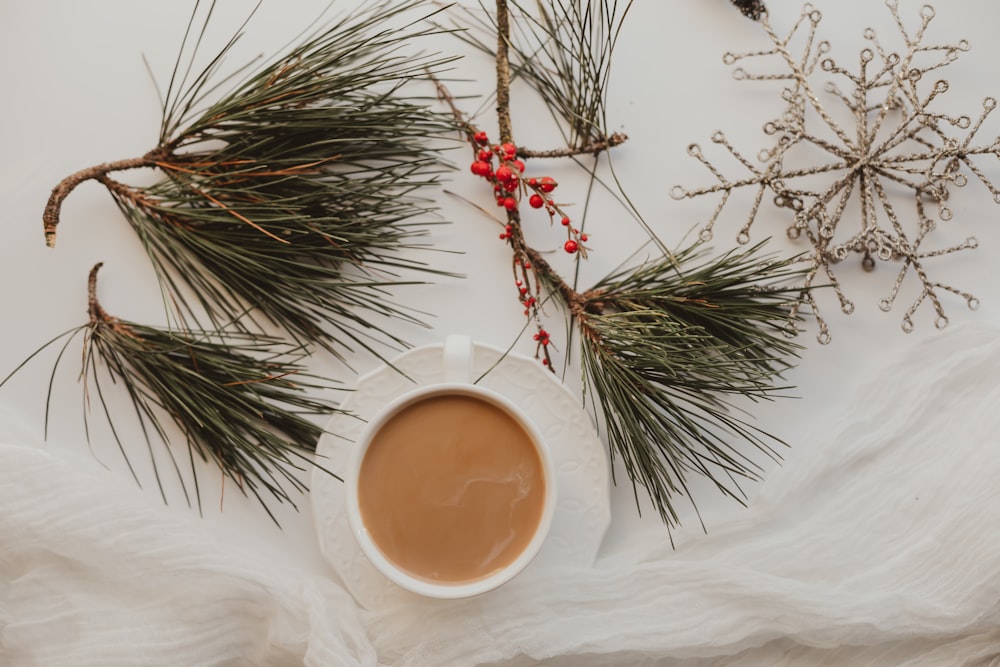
97, 313
50, 216
99, 316
593, 148
503, 72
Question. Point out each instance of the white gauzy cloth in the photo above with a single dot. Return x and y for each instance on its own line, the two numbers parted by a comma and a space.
882, 549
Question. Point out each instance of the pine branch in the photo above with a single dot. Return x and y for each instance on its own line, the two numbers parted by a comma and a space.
297, 191
662, 350
239, 401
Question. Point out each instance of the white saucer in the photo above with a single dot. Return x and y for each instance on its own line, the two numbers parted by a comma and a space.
583, 509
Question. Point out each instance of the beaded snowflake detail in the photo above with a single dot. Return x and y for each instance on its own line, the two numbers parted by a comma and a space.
850, 151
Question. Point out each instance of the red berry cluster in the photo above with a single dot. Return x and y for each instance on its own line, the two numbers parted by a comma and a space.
509, 186
524, 296
543, 340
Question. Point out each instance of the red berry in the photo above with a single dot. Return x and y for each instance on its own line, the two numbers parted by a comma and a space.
509, 151
484, 155
509, 203
481, 138
533, 182
510, 185
504, 173
565, 222
583, 237
520, 165
536, 201
570, 246
547, 184
480, 168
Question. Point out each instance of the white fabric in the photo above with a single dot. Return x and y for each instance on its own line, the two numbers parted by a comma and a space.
882, 549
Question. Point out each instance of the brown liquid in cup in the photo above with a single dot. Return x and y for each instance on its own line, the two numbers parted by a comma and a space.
451, 489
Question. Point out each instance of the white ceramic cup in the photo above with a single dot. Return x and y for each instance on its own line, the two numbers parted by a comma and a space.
457, 363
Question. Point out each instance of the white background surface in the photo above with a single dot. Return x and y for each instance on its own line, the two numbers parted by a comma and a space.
75, 92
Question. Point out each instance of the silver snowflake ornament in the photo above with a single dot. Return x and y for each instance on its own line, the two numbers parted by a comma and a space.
858, 156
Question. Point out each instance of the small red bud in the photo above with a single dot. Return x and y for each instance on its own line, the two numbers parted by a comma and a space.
509, 151
484, 155
583, 237
481, 138
570, 246
536, 201
533, 182
509, 203
565, 222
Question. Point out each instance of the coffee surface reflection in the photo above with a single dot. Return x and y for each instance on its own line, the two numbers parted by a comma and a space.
451, 489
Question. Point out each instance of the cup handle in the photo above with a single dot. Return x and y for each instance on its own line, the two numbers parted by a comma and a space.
457, 359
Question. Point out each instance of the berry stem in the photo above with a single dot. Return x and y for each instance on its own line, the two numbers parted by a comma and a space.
531, 270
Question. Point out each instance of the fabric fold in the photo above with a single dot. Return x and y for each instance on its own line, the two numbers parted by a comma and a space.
94, 574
